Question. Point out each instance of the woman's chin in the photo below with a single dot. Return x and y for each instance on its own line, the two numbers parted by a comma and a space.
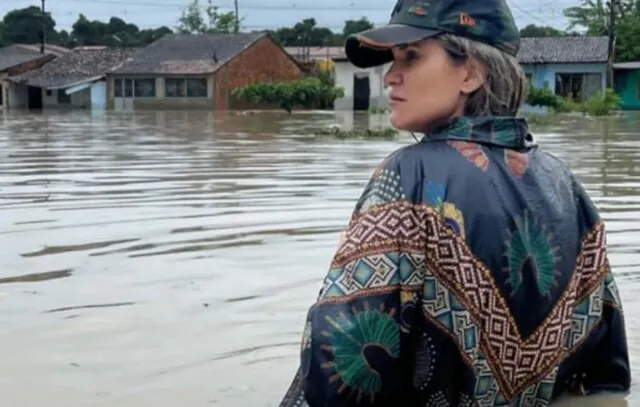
396, 120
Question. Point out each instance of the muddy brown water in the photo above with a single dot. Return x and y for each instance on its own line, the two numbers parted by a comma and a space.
164, 258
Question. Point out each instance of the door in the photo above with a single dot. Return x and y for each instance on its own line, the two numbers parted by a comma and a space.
34, 97
361, 92
123, 94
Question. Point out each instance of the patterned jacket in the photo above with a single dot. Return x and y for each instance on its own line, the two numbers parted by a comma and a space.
474, 271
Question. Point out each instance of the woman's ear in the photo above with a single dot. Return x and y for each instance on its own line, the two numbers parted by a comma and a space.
476, 75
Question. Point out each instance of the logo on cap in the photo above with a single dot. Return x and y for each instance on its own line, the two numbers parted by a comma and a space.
466, 20
418, 11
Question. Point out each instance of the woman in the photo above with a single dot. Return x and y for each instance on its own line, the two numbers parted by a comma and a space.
474, 270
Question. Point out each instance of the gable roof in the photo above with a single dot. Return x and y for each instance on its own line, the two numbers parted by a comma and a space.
563, 50
188, 53
17, 54
74, 67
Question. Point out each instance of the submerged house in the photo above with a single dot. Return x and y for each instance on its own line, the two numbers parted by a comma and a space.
198, 71
363, 87
570, 66
19, 58
76, 79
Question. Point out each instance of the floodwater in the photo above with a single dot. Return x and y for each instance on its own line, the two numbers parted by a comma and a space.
165, 258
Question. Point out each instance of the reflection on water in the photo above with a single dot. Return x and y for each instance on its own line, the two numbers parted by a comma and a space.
172, 255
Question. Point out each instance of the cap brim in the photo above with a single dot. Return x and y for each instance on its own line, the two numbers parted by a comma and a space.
373, 47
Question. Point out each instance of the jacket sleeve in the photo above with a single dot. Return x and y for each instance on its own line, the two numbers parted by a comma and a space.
358, 338
602, 362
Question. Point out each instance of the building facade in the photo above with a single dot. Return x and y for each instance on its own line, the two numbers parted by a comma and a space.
197, 71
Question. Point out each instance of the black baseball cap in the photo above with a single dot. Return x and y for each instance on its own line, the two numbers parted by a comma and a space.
487, 21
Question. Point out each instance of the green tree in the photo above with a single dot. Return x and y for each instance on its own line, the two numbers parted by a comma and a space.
194, 21
594, 16
356, 26
23, 26
306, 33
533, 30
116, 33
591, 15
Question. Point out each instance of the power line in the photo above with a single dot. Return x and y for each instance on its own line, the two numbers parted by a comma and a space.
292, 6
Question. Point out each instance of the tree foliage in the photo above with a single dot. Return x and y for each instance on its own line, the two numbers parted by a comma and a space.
533, 30
594, 17
194, 21
23, 26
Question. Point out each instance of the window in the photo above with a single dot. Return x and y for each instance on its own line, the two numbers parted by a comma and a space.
144, 88
197, 88
578, 86
63, 98
186, 87
117, 88
174, 88
128, 88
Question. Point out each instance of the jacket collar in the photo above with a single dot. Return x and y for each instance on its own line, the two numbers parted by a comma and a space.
507, 132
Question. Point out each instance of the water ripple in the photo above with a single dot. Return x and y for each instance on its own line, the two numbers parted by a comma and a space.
197, 241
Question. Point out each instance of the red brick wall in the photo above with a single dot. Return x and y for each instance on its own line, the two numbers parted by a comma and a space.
263, 62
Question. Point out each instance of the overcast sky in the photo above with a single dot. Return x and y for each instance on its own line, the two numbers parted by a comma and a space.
268, 13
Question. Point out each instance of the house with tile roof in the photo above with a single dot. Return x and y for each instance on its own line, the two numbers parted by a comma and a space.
570, 66
19, 58
198, 71
75, 79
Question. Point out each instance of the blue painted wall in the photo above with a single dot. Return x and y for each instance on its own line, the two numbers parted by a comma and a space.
541, 73
99, 95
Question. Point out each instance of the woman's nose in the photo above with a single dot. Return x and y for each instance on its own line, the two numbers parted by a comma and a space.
392, 78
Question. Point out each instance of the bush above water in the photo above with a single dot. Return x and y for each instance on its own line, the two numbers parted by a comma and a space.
309, 93
601, 104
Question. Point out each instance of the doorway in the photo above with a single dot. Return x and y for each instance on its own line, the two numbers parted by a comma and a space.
361, 91
34, 98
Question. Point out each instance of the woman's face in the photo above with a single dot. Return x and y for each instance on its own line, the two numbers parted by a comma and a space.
428, 87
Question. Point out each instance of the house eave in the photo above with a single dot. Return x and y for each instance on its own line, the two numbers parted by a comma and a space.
562, 62
76, 83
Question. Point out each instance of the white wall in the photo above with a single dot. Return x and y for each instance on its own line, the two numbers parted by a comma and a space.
344, 72
80, 99
18, 96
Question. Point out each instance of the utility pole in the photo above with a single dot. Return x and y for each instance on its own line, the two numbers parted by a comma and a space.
611, 46
42, 28
237, 26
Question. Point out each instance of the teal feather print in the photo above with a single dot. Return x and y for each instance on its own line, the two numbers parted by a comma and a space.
461, 128
359, 343
504, 131
528, 248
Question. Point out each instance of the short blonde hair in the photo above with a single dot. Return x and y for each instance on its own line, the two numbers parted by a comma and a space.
505, 86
